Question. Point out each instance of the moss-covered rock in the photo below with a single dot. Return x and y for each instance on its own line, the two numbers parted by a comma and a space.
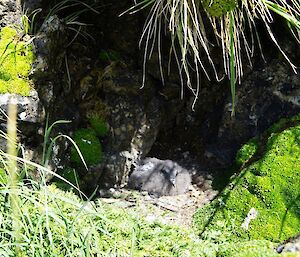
269, 188
217, 8
99, 126
89, 146
16, 58
70, 175
247, 151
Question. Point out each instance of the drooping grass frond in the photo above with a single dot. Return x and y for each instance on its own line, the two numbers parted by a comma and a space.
183, 20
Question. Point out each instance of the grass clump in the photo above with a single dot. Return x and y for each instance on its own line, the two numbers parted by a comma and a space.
218, 8
270, 187
89, 146
234, 30
58, 223
16, 58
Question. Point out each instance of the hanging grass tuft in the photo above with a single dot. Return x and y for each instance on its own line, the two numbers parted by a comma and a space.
183, 20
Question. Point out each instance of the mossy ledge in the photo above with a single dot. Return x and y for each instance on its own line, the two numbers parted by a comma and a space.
16, 58
268, 185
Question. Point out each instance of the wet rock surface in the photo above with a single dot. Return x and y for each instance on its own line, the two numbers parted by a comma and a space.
133, 116
29, 108
30, 115
30, 120
10, 13
49, 56
265, 96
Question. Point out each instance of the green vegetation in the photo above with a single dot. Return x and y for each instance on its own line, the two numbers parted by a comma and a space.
16, 58
89, 146
58, 223
218, 8
247, 151
99, 126
88, 142
3, 176
42, 220
70, 175
270, 185
109, 55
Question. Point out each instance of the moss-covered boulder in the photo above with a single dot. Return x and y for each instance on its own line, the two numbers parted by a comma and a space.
70, 175
99, 126
89, 146
16, 58
263, 200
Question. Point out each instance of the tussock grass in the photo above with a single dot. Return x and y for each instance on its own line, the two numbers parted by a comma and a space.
190, 45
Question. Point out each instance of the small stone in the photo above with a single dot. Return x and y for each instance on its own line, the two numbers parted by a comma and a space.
117, 132
130, 127
123, 128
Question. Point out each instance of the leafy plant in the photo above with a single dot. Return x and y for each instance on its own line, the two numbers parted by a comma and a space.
184, 20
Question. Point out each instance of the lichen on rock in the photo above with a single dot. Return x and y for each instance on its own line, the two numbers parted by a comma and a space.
16, 58
270, 185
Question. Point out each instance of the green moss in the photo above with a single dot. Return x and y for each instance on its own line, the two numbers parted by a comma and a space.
271, 186
16, 58
109, 55
247, 151
218, 8
255, 248
98, 110
70, 175
99, 126
283, 124
89, 146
